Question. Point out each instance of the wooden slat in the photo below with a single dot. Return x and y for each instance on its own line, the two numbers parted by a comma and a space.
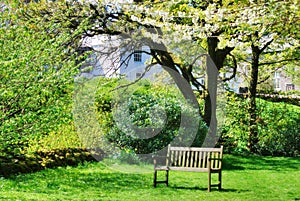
175, 158
172, 162
200, 159
204, 160
213, 161
183, 156
196, 159
217, 161
171, 158
192, 159
188, 158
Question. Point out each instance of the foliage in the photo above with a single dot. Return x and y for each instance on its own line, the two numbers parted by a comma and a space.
278, 127
36, 66
43, 159
147, 119
64, 137
231, 31
234, 131
36, 78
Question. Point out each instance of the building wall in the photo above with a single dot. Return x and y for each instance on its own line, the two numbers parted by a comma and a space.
137, 62
282, 82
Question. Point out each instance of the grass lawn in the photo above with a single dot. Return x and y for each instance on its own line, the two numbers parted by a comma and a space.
244, 178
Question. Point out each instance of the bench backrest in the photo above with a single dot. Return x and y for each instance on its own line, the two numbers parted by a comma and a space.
194, 157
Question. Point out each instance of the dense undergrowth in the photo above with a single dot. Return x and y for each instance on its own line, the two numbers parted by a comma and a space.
45, 159
277, 123
278, 126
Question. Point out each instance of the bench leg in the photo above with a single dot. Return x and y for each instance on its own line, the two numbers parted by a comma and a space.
209, 181
220, 180
167, 177
155, 177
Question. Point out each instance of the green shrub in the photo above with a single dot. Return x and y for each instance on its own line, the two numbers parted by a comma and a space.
278, 127
234, 131
145, 118
43, 159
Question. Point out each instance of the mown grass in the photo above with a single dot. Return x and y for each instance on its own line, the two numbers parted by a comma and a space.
244, 178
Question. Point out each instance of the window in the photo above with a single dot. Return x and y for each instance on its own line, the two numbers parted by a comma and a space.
290, 87
277, 80
137, 55
202, 81
138, 75
277, 83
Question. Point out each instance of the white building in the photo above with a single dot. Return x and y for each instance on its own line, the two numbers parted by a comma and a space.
111, 60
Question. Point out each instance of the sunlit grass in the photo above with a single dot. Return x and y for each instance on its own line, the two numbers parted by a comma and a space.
244, 178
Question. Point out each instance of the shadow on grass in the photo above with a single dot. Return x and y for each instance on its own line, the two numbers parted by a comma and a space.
205, 189
234, 162
41, 160
81, 177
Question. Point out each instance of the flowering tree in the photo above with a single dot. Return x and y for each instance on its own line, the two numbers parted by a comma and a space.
231, 32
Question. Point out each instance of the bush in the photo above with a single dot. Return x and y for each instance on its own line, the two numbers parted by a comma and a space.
148, 119
234, 131
47, 159
278, 127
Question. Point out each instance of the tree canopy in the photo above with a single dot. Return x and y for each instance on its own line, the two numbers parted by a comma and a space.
232, 32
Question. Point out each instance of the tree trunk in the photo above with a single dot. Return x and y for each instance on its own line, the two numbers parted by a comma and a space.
253, 132
210, 95
214, 64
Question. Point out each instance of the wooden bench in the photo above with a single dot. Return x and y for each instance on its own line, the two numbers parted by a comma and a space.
192, 159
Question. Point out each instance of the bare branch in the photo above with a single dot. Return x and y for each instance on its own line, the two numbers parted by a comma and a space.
201, 55
147, 68
234, 68
280, 61
265, 46
268, 76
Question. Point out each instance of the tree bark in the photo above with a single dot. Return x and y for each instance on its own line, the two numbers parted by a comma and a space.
253, 131
210, 95
214, 63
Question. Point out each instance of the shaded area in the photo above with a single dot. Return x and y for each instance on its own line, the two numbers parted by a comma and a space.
291, 99
89, 177
196, 188
46, 159
252, 162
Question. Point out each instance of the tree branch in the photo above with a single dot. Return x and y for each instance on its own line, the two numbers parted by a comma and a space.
268, 76
280, 61
136, 80
234, 69
265, 46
